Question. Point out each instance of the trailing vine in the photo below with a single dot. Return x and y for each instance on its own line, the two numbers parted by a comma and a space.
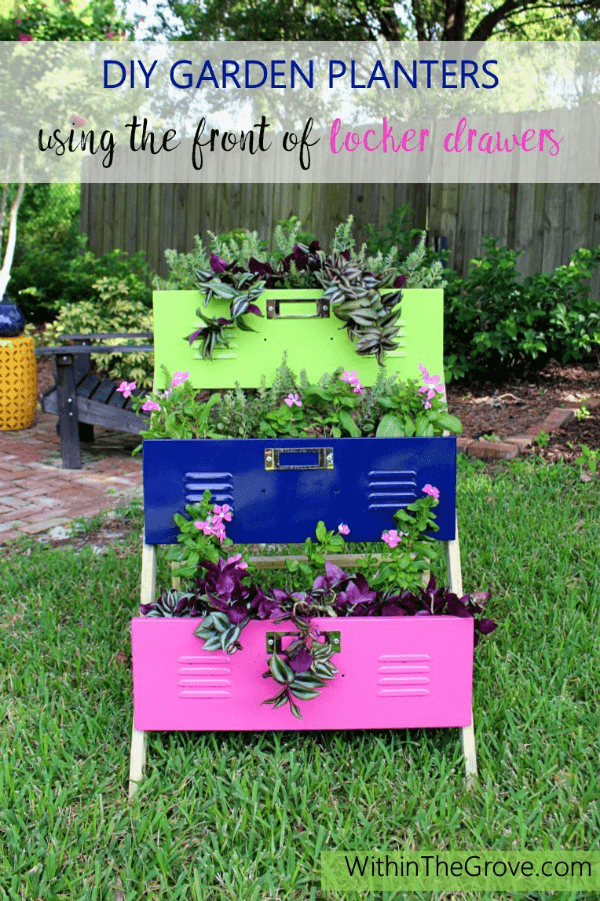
364, 293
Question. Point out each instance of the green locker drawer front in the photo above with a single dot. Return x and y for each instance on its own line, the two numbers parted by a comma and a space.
315, 344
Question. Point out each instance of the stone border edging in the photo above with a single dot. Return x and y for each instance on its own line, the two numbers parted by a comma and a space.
509, 448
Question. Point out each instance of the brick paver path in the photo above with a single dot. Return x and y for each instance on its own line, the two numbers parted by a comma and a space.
36, 493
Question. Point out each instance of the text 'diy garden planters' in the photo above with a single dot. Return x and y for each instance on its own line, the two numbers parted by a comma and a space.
394, 672
278, 488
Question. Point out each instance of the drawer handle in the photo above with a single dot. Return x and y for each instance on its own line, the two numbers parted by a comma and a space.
322, 308
274, 463
274, 640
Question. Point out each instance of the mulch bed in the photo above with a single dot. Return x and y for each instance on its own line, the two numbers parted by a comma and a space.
565, 444
509, 408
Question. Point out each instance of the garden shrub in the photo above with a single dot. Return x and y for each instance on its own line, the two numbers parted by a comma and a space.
574, 314
46, 241
494, 319
117, 307
52, 266
85, 270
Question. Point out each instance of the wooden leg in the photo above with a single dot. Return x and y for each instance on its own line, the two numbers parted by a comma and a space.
67, 413
467, 733
148, 582
137, 759
453, 564
139, 740
86, 432
467, 741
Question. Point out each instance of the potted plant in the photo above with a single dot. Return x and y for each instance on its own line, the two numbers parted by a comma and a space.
315, 647
221, 313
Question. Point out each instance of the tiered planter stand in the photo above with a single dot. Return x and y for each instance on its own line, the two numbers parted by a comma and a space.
394, 672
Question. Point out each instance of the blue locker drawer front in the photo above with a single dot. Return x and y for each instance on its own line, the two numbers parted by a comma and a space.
279, 489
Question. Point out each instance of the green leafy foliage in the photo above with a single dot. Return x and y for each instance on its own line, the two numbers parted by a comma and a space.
337, 407
118, 306
495, 319
53, 269
422, 265
588, 458
96, 21
194, 545
46, 242
304, 669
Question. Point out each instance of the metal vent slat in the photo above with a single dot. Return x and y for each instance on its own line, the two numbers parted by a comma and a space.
202, 476
392, 474
403, 676
391, 489
220, 485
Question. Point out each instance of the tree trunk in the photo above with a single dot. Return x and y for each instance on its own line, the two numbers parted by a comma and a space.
454, 20
11, 240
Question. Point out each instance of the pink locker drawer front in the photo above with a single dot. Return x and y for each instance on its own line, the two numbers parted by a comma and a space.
394, 672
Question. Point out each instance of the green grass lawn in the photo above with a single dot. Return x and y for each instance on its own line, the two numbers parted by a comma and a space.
247, 816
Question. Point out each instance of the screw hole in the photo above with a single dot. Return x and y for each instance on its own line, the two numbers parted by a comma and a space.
264, 491
336, 490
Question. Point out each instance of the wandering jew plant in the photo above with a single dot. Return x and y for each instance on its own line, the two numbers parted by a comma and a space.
222, 589
367, 303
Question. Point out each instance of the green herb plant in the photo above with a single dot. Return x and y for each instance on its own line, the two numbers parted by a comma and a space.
339, 406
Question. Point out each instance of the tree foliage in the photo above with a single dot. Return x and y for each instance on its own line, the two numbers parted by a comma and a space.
32, 20
62, 21
357, 20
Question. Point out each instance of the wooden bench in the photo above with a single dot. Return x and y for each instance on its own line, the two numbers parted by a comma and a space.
81, 399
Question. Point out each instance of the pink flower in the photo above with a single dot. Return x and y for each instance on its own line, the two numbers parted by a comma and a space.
221, 513
351, 378
126, 388
205, 527
25, 37
429, 489
292, 399
18, 21
426, 405
179, 378
150, 405
391, 538
432, 384
109, 35
218, 530
343, 529
236, 559
78, 121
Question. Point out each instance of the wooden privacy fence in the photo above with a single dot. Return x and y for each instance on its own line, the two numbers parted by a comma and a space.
547, 221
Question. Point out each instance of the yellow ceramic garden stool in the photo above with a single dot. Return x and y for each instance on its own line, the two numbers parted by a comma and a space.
18, 383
